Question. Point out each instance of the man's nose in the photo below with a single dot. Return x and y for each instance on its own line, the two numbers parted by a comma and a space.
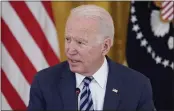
72, 48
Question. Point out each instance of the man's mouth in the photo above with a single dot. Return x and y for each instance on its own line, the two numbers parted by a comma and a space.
74, 61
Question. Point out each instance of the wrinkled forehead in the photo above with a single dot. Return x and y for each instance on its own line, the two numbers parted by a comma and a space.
78, 25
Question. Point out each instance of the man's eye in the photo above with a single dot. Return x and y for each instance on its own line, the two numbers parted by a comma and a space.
68, 39
79, 42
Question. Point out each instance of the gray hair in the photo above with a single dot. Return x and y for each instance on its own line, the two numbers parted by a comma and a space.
104, 18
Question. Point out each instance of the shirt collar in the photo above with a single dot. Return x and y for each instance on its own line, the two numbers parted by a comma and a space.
100, 76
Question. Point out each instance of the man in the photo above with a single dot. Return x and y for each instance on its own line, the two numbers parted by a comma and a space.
103, 84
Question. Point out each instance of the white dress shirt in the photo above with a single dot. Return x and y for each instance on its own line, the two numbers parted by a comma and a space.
97, 86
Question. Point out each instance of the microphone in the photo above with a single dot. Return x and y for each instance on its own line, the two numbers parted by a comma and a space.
77, 95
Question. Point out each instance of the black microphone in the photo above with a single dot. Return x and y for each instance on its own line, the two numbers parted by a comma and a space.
77, 95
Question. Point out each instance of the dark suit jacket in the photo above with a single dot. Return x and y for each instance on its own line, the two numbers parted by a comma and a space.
54, 89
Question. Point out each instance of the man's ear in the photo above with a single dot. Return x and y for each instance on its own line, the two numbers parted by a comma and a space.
106, 46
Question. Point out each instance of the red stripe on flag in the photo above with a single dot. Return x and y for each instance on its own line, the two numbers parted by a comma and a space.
17, 53
10, 94
35, 30
48, 7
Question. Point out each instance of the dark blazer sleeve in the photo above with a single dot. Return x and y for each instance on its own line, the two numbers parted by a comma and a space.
36, 101
146, 99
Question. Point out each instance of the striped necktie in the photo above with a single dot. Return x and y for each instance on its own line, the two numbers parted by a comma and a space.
86, 102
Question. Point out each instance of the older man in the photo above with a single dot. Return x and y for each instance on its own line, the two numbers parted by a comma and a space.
89, 80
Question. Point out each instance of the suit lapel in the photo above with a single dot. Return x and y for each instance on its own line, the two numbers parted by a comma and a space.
67, 90
112, 98
68, 85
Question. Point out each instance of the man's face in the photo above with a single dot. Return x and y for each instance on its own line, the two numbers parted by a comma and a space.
82, 49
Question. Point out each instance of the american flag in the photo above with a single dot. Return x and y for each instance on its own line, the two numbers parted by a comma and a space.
167, 10
29, 44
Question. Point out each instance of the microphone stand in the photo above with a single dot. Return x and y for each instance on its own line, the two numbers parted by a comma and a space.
77, 95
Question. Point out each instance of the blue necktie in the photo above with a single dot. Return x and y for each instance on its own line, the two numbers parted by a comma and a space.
86, 102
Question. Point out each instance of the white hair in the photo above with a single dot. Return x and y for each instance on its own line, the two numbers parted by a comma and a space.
106, 25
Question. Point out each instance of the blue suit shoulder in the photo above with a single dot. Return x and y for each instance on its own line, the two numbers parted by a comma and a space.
43, 86
52, 73
129, 74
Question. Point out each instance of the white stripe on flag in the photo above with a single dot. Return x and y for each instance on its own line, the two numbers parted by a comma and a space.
46, 24
15, 76
167, 14
23, 37
164, 3
167, 7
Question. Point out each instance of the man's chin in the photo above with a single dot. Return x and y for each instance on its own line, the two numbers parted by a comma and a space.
76, 70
